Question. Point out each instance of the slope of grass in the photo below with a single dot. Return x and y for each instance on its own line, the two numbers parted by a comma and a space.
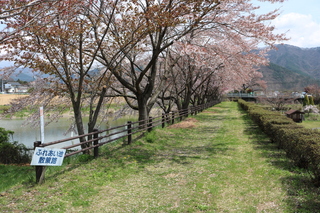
216, 161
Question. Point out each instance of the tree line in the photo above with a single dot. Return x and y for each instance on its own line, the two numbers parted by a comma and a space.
173, 53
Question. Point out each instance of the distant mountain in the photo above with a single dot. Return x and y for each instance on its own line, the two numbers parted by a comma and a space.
279, 78
23, 74
305, 61
22, 77
292, 68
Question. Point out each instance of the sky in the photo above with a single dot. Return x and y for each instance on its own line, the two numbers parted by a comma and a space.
299, 20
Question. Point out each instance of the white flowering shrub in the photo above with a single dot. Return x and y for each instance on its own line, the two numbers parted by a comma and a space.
311, 109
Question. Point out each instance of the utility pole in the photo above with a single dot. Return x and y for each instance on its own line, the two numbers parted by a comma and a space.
1, 84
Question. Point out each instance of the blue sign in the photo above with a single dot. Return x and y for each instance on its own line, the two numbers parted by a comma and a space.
47, 157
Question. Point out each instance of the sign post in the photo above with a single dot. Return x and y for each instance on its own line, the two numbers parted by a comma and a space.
41, 125
46, 157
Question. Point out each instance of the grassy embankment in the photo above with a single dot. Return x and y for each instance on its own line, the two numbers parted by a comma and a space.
5, 99
217, 161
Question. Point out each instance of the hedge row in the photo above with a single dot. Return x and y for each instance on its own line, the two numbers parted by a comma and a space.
300, 144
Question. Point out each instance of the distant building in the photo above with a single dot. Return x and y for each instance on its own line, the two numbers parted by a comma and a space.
295, 115
15, 87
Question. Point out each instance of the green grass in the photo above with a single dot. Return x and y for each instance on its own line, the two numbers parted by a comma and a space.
3, 108
222, 164
312, 121
12, 174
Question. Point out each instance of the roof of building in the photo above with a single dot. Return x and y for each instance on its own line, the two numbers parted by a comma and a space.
293, 111
14, 83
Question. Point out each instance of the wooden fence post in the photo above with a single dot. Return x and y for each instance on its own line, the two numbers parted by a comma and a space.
150, 124
163, 120
40, 170
172, 118
96, 142
129, 131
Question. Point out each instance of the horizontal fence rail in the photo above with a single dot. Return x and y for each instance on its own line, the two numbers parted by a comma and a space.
240, 95
102, 137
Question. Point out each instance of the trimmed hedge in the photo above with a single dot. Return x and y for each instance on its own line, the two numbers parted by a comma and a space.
300, 144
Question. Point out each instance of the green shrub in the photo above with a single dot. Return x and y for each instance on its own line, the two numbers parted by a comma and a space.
306, 100
12, 152
83, 158
300, 144
311, 100
4, 109
151, 137
5, 135
279, 133
280, 120
313, 152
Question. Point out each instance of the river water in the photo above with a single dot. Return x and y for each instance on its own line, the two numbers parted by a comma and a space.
27, 135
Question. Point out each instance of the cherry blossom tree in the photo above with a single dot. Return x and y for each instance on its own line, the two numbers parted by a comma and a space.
222, 57
313, 90
126, 38
10, 9
139, 33
255, 83
63, 52
142, 30
190, 73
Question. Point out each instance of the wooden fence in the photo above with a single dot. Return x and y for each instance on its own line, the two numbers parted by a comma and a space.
98, 138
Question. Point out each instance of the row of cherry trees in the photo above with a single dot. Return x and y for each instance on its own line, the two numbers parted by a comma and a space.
170, 52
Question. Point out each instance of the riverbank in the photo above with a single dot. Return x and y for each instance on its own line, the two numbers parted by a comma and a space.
216, 161
112, 107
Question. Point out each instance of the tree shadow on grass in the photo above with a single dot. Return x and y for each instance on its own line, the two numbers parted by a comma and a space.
157, 150
204, 117
176, 154
302, 194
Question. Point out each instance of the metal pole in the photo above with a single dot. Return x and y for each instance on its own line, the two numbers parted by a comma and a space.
41, 125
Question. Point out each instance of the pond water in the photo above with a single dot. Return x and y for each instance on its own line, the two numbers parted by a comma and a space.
27, 135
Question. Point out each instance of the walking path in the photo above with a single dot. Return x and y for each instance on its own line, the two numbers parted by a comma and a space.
216, 161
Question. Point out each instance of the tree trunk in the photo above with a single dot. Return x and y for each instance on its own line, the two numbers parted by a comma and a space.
79, 125
95, 113
187, 98
143, 111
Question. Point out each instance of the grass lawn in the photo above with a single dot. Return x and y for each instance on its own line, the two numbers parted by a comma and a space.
312, 121
216, 161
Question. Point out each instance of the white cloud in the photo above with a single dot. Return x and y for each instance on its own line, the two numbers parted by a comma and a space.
302, 30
